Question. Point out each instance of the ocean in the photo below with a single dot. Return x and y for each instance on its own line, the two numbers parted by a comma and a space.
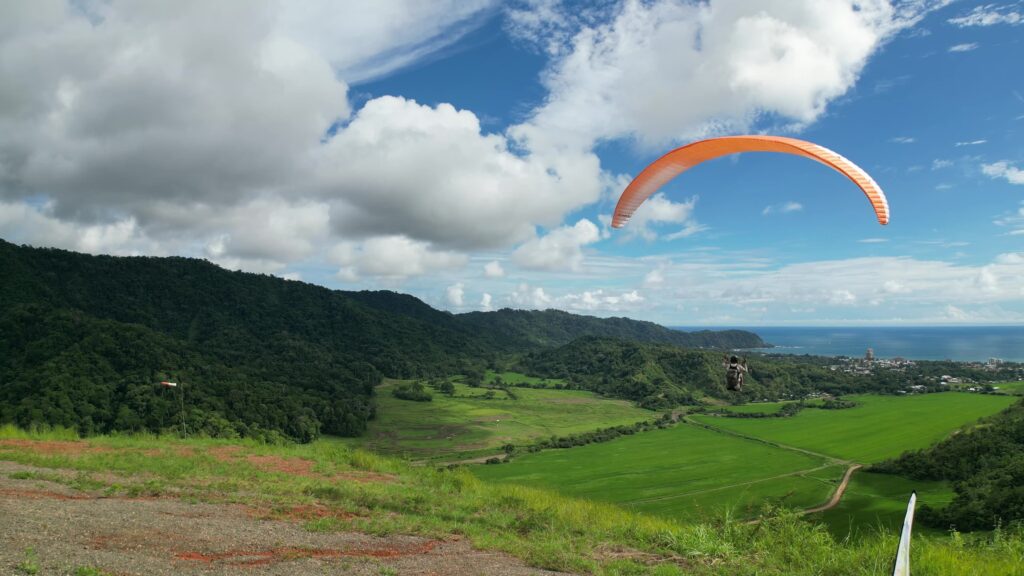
963, 343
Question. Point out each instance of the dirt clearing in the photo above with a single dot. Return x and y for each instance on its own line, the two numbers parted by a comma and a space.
166, 536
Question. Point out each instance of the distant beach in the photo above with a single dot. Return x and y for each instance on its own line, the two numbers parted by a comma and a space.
962, 343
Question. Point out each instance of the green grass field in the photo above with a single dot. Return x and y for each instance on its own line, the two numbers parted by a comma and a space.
1012, 388
879, 427
517, 378
879, 501
468, 425
685, 472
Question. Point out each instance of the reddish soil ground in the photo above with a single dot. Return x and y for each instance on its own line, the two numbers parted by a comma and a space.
166, 536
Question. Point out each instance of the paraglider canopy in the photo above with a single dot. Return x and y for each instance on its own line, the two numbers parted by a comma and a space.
681, 159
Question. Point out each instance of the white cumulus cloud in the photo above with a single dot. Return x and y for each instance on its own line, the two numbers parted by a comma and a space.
560, 249
666, 70
493, 269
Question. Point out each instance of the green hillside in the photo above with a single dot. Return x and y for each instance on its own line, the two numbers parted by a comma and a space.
84, 339
477, 421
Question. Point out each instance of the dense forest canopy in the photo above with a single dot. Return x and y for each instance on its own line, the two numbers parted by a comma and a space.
84, 340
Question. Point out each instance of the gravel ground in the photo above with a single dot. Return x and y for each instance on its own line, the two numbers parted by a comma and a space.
155, 537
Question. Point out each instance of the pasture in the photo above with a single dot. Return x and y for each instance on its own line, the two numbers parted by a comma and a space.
468, 424
681, 472
515, 378
874, 502
880, 427
1012, 388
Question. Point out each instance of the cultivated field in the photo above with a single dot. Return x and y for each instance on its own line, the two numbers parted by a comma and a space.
692, 472
880, 427
1013, 388
879, 501
469, 425
686, 471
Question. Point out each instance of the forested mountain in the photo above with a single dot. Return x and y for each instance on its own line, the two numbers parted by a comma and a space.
84, 339
524, 329
985, 463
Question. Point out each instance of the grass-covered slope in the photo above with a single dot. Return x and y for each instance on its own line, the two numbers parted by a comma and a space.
478, 421
328, 487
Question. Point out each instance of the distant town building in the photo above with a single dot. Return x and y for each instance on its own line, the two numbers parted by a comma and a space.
869, 355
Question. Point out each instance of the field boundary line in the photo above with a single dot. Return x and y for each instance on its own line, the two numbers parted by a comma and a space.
712, 428
717, 488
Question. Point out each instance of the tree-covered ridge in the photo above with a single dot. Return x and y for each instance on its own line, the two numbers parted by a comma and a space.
659, 375
84, 339
526, 329
985, 463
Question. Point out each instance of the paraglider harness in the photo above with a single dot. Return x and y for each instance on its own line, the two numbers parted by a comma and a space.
734, 374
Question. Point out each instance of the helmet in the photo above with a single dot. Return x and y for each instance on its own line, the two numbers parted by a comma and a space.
733, 359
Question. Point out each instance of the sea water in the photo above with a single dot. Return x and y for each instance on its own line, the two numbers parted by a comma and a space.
962, 343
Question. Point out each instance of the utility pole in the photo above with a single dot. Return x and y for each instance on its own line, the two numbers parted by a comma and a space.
181, 397
184, 428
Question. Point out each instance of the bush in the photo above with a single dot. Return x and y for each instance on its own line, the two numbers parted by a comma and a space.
414, 392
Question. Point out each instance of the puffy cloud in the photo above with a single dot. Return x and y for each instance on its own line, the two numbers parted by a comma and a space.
26, 224
666, 70
485, 302
429, 173
903, 139
456, 294
599, 300
988, 15
1011, 174
964, 47
560, 249
493, 269
659, 210
654, 278
228, 124
531, 298
391, 258
939, 164
785, 208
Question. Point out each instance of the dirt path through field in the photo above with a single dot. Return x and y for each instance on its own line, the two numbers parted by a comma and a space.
838, 494
68, 530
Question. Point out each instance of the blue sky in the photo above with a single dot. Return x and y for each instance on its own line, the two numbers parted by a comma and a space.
470, 153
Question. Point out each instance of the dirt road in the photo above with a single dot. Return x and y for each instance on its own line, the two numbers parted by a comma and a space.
838, 494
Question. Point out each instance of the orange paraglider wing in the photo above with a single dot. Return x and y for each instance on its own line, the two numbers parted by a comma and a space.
681, 159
